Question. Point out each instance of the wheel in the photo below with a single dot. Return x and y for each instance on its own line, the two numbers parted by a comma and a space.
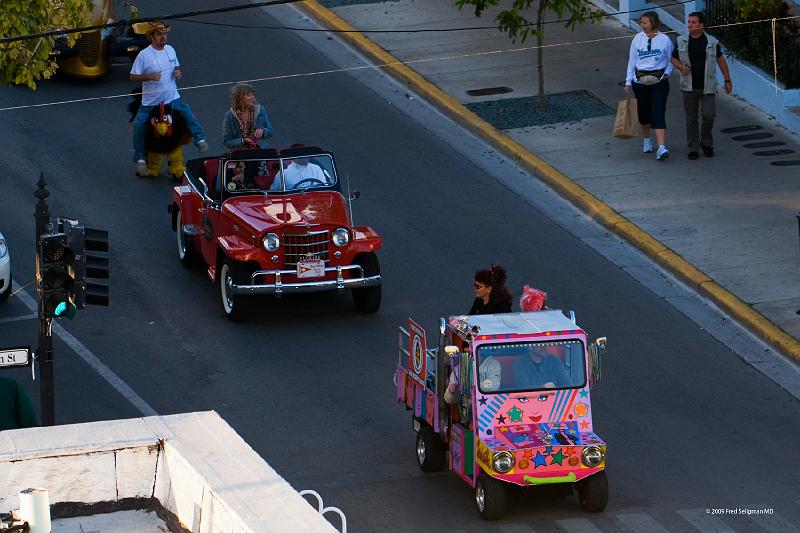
234, 305
7, 291
490, 497
186, 253
430, 451
593, 492
368, 299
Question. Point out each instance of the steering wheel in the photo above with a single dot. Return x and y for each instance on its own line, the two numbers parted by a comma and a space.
312, 182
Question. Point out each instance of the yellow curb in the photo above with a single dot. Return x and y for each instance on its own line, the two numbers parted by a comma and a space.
583, 199
690, 274
753, 320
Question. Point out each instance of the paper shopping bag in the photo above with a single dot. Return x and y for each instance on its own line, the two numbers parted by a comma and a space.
627, 121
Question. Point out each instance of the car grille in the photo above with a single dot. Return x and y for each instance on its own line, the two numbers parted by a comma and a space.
303, 246
89, 47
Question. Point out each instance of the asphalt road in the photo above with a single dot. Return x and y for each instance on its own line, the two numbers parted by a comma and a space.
307, 382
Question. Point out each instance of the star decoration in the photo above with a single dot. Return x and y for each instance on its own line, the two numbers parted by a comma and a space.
584, 424
548, 450
515, 414
501, 419
557, 458
581, 409
569, 451
539, 460
482, 400
584, 393
504, 429
527, 454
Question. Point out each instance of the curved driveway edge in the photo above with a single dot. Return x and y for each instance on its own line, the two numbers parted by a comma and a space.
583, 199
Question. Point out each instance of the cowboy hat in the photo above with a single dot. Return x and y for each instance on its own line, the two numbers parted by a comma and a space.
151, 27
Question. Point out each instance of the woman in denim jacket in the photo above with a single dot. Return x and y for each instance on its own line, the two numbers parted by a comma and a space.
246, 124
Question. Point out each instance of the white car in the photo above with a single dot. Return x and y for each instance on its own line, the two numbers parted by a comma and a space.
5, 270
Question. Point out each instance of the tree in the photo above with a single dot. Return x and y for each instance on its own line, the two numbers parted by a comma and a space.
514, 22
26, 62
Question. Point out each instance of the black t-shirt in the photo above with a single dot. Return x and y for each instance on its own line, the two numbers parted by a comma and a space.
697, 59
493, 306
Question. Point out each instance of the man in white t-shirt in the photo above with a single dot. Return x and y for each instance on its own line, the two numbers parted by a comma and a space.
298, 170
158, 68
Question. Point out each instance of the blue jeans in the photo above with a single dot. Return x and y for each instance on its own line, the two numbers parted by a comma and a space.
143, 116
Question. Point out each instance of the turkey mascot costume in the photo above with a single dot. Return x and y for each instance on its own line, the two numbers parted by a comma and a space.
165, 137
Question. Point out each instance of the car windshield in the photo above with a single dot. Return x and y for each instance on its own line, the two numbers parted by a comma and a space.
531, 366
279, 174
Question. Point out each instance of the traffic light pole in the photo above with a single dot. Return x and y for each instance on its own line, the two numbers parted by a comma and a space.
45, 351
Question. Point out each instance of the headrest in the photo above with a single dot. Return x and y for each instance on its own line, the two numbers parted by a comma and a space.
210, 168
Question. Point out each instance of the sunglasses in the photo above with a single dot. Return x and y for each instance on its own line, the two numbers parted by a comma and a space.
479, 285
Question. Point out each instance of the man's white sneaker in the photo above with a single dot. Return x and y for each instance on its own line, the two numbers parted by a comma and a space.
202, 147
141, 167
647, 147
662, 153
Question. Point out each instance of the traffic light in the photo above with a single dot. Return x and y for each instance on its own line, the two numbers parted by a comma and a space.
57, 276
91, 263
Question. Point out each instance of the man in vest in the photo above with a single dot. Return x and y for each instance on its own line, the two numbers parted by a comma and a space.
696, 57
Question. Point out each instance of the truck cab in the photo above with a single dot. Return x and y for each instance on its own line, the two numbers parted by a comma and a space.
521, 410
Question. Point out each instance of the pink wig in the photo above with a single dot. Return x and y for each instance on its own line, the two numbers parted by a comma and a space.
532, 299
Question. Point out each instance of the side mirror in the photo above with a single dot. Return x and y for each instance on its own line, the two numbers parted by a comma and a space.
597, 351
355, 195
205, 186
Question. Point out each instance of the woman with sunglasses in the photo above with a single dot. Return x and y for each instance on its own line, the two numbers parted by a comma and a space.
649, 67
491, 293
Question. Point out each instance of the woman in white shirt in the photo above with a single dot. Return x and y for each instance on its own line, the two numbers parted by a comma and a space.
649, 67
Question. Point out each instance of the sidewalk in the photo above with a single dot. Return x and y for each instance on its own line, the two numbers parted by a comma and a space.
731, 218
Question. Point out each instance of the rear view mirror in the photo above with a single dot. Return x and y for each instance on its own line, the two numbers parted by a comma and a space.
597, 351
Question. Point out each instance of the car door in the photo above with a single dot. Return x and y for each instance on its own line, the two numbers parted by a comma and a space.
209, 218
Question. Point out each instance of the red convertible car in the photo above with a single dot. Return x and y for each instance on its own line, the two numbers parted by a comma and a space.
274, 222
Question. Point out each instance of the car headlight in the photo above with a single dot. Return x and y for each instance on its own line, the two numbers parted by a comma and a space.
271, 242
3, 248
592, 456
502, 462
341, 237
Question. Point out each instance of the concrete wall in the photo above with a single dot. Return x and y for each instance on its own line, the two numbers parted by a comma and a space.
194, 464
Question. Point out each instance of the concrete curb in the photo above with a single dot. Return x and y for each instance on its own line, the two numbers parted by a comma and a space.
583, 199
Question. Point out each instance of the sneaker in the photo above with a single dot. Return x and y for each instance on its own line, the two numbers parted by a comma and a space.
647, 147
693, 155
202, 146
141, 167
662, 153
708, 151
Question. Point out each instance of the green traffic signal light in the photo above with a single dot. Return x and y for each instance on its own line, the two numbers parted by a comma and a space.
64, 309
58, 305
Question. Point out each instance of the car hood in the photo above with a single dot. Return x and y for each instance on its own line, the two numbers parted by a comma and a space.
271, 212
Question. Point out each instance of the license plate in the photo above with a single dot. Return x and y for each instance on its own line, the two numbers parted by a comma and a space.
313, 268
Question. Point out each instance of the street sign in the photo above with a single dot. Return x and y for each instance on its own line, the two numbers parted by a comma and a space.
19, 356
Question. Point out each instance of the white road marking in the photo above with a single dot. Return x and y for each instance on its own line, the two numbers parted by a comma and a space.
17, 318
704, 521
641, 523
91, 359
516, 528
578, 525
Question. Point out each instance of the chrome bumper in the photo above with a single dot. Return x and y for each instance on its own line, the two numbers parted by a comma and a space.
312, 285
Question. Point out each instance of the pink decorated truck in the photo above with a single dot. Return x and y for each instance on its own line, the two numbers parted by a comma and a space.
518, 411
